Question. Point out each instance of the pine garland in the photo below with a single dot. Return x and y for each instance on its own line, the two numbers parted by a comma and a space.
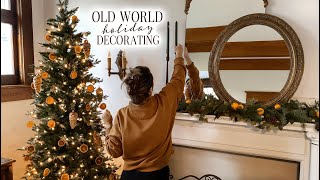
263, 117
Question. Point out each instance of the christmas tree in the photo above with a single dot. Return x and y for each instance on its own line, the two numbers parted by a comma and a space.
66, 122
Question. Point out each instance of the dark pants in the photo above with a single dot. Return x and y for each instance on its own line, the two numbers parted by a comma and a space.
162, 174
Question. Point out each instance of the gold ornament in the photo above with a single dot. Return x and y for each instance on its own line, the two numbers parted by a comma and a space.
73, 117
65, 176
188, 101
90, 88
103, 106
78, 49
241, 106
52, 56
74, 18
317, 114
277, 106
46, 172
37, 83
84, 148
51, 124
30, 149
97, 139
234, 106
44, 75
30, 124
99, 91
99, 160
48, 37
61, 143
49, 100
73, 75
88, 107
260, 111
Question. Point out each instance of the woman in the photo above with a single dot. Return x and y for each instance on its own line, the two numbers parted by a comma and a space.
141, 131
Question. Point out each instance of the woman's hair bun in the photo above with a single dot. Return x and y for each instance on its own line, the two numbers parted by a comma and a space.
139, 81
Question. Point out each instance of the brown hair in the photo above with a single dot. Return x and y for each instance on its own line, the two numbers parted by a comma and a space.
139, 81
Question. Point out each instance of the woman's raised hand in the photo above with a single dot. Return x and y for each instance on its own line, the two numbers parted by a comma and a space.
179, 51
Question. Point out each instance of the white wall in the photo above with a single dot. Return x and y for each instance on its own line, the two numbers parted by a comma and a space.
207, 13
153, 57
303, 17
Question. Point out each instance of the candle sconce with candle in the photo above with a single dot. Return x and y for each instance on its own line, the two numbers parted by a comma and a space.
121, 63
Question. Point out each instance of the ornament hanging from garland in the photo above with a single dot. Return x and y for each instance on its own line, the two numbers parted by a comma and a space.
260, 111
73, 117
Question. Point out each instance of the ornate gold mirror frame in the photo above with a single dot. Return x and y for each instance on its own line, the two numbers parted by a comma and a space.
292, 41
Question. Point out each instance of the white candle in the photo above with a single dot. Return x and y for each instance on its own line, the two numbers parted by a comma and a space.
109, 60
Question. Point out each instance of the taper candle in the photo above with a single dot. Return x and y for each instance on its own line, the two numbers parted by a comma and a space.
176, 33
109, 60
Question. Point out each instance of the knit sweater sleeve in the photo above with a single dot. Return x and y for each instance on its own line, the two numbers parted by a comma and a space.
172, 93
114, 140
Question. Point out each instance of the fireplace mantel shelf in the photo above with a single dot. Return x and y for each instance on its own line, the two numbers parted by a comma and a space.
293, 143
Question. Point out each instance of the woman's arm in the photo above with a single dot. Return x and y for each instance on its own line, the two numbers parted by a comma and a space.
172, 93
113, 139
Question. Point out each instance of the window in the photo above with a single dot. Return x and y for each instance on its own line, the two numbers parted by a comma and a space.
16, 49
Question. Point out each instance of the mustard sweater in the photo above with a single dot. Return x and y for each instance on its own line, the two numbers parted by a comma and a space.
141, 134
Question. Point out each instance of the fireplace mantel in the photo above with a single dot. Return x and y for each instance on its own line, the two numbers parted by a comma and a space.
294, 143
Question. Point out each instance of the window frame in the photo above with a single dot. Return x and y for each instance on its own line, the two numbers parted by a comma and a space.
11, 17
18, 87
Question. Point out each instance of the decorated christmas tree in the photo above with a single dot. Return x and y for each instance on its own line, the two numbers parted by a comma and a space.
66, 119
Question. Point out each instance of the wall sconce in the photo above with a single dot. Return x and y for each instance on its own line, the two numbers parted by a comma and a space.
121, 62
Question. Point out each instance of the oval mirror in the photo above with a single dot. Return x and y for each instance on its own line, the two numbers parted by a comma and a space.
256, 58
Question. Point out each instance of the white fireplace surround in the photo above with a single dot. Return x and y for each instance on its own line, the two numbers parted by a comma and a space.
294, 143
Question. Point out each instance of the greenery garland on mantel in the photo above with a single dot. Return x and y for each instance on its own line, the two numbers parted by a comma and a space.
263, 117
